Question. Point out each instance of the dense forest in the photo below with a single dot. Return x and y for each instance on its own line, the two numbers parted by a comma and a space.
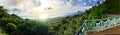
70, 25
11, 24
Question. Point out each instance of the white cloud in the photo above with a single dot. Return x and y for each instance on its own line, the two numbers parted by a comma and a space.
30, 8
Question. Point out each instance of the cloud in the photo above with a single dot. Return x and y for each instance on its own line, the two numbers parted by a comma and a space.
53, 8
48, 8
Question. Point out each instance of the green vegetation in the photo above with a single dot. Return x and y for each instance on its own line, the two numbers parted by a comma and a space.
14, 25
69, 25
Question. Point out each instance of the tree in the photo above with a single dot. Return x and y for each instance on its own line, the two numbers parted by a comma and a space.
32, 28
10, 27
3, 12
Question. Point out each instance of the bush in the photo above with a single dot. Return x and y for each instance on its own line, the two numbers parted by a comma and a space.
11, 27
32, 28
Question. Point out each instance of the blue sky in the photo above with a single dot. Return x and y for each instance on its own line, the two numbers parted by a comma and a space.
34, 9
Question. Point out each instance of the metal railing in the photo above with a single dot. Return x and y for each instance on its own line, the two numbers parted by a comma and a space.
98, 25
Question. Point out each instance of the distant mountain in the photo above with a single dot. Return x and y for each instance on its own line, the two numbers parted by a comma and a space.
79, 12
71, 24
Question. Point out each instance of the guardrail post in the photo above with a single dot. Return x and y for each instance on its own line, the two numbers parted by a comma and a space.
98, 26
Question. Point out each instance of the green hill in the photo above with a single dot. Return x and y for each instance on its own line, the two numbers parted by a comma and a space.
70, 25
13, 25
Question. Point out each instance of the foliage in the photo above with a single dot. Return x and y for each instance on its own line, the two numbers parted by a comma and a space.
11, 26
32, 28
68, 25
14, 25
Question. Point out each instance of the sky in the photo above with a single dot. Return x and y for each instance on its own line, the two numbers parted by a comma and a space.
42, 9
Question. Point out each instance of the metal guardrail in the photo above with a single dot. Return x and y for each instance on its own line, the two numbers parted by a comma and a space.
80, 30
98, 25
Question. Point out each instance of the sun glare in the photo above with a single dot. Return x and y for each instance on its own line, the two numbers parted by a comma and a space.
43, 16
44, 4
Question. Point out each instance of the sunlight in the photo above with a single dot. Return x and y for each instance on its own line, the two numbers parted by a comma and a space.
44, 4
43, 16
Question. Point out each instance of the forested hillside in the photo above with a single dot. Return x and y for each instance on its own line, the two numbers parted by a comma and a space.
11, 24
70, 25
